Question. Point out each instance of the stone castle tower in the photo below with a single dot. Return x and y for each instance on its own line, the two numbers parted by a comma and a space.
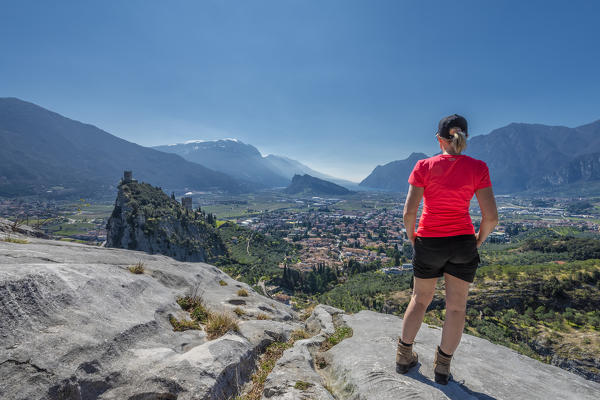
186, 202
128, 177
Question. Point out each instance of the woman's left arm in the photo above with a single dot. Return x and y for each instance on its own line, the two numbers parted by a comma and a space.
411, 206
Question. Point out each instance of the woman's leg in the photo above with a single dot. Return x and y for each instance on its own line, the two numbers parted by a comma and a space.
422, 295
456, 304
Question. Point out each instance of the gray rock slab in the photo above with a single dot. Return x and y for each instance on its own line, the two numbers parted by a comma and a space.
8, 228
321, 319
363, 367
296, 366
75, 323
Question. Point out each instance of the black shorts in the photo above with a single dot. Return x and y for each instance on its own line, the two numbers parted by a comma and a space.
455, 255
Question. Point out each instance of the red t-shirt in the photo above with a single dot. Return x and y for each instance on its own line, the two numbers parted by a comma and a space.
450, 181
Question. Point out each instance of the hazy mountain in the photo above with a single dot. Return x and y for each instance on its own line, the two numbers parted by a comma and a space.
231, 156
394, 175
288, 168
245, 162
306, 184
42, 151
525, 156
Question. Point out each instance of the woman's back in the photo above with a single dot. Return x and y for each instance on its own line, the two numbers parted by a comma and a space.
449, 183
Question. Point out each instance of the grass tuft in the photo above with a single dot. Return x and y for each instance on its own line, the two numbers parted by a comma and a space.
184, 324
189, 302
239, 312
195, 306
266, 364
137, 268
222, 283
301, 385
200, 313
15, 240
340, 334
242, 293
299, 334
219, 323
262, 316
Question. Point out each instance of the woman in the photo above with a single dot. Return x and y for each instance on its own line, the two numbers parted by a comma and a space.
445, 243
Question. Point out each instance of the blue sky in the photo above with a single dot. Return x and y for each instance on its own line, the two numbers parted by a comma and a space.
340, 85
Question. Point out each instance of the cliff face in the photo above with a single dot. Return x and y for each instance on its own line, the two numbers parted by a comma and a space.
146, 219
75, 323
584, 168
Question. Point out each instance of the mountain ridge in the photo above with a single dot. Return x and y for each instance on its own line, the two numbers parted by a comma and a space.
392, 176
520, 157
244, 161
43, 152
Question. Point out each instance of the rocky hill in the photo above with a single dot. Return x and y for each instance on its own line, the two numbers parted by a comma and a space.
289, 167
76, 322
42, 152
306, 184
146, 219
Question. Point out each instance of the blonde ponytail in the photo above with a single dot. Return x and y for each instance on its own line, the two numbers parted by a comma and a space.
459, 141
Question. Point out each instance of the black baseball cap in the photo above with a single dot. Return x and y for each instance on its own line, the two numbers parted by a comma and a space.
451, 121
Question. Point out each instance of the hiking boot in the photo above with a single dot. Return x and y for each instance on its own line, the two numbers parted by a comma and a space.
441, 369
406, 358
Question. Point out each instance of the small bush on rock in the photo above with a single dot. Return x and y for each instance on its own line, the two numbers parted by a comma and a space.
183, 325
239, 312
301, 385
340, 334
299, 334
189, 302
219, 324
242, 293
15, 240
137, 268
200, 313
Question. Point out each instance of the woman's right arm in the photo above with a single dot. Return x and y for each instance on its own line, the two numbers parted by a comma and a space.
489, 213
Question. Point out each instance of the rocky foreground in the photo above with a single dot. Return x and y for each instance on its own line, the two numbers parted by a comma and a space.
76, 323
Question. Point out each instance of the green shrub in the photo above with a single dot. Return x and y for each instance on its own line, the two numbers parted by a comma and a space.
200, 313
